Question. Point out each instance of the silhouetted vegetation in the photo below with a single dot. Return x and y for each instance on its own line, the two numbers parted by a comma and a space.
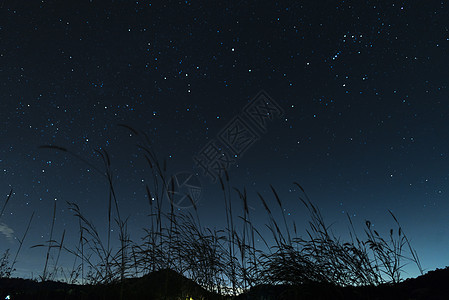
178, 258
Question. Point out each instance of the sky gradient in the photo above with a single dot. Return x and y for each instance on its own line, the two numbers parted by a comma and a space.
361, 90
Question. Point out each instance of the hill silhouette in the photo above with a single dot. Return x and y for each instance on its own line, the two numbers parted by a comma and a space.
163, 284
168, 284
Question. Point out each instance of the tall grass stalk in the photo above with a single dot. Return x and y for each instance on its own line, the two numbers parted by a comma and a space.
228, 260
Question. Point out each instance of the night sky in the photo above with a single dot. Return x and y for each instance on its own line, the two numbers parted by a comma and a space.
357, 94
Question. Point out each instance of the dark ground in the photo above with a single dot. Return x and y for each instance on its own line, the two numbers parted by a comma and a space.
170, 285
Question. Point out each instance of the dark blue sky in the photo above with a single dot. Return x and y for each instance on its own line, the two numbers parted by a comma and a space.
362, 84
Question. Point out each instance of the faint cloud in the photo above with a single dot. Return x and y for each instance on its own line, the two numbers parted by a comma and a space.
7, 231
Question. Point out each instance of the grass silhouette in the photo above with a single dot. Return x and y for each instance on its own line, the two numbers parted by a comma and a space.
217, 263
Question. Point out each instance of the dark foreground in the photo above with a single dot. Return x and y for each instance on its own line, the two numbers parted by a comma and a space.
170, 285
